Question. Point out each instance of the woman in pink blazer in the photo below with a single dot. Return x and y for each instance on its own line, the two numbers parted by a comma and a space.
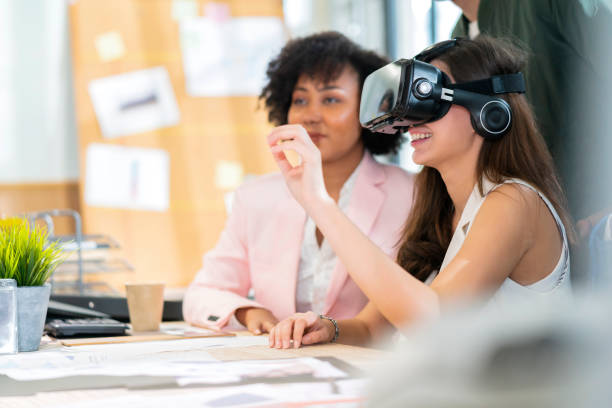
269, 245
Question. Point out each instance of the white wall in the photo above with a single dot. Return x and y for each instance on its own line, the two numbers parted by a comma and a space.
360, 20
38, 140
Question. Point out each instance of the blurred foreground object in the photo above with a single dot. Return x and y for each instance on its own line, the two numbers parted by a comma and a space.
600, 253
554, 357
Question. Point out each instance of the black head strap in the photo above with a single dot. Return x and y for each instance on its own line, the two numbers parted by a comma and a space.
497, 84
435, 50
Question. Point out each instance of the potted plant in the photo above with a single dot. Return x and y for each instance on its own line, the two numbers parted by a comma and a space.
27, 257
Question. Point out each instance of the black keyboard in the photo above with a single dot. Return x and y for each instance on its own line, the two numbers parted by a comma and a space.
89, 327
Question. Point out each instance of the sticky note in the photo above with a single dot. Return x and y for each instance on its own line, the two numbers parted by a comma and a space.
228, 175
217, 11
184, 9
110, 46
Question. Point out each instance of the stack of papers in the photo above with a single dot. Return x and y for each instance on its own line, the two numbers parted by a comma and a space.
186, 360
343, 393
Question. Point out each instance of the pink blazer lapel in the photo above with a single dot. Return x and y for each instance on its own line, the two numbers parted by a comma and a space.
364, 205
291, 218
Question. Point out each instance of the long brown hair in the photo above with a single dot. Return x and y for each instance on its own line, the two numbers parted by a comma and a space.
521, 153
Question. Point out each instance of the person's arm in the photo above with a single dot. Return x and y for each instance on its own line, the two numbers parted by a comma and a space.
482, 263
480, 266
220, 288
396, 294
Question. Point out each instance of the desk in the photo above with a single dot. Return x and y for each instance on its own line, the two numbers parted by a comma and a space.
362, 358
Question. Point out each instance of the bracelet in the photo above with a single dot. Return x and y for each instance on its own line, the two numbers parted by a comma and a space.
335, 323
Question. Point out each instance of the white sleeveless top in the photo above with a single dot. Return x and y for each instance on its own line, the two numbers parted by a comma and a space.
555, 285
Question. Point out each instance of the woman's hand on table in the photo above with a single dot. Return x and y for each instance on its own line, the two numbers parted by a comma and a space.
301, 328
256, 320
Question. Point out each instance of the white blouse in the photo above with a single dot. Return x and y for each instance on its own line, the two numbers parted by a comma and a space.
318, 263
556, 285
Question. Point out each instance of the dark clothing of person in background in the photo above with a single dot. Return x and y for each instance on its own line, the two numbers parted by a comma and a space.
565, 75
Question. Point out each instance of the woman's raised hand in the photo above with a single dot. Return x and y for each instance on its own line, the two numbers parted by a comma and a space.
305, 180
301, 328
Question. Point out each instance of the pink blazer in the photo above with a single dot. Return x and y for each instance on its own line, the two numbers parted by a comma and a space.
261, 244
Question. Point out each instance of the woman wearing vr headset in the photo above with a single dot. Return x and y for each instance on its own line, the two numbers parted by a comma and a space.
269, 244
489, 217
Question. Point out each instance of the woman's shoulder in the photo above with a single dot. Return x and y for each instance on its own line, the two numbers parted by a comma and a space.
515, 192
518, 203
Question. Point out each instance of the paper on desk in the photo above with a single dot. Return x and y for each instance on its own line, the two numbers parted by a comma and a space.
134, 102
177, 345
163, 366
235, 371
228, 56
118, 361
188, 368
166, 358
254, 395
127, 177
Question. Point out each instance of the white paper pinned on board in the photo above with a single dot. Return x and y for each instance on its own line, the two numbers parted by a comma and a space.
127, 177
184, 9
228, 57
110, 46
135, 102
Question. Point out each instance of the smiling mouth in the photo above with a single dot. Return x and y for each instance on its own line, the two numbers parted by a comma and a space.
414, 137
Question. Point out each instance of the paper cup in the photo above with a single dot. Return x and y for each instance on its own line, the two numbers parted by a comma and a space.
145, 304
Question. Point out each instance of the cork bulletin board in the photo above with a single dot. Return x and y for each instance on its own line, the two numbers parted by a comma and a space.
168, 244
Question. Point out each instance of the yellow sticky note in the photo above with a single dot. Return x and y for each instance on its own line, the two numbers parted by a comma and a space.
110, 46
228, 175
182, 9
292, 156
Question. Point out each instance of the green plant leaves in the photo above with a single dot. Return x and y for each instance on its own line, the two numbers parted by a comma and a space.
25, 253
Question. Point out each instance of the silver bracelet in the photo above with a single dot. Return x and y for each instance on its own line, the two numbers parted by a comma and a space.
335, 323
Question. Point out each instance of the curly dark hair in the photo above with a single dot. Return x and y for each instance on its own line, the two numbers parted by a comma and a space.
323, 56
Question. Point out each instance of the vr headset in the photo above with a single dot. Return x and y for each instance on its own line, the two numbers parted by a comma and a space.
409, 93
